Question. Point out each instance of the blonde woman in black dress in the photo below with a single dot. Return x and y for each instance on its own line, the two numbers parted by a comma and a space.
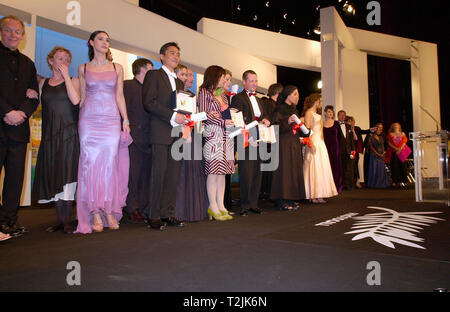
57, 162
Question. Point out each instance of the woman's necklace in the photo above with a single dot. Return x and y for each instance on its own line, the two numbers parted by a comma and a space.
104, 62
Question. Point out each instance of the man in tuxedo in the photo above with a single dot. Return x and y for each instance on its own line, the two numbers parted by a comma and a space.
250, 175
18, 100
140, 153
347, 145
159, 100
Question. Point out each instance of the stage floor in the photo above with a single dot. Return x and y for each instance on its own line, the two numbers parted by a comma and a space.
274, 252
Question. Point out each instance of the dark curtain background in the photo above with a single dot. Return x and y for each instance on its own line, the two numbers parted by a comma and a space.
413, 19
305, 80
390, 98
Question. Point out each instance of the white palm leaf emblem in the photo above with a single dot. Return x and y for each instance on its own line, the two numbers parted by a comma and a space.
391, 227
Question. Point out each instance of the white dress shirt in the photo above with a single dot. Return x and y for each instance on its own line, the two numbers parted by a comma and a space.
255, 105
344, 130
172, 76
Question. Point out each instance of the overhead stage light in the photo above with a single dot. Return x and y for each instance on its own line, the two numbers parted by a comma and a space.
349, 8
316, 29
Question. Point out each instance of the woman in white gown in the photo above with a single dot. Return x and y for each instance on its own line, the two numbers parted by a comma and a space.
319, 182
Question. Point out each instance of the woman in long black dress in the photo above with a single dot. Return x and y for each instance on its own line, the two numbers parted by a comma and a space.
287, 181
192, 199
57, 162
332, 135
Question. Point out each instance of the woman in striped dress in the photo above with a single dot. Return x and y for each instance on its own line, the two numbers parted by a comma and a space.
218, 150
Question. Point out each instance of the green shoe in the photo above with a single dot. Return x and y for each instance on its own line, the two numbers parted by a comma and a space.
218, 217
226, 215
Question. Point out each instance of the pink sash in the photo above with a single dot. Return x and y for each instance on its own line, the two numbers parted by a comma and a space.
403, 155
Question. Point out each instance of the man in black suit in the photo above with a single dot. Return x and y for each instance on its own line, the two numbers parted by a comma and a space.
270, 102
18, 100
347, 145
159, 99
140, 153
250, 175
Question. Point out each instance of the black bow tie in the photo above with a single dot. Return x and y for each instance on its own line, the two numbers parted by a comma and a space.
342, 123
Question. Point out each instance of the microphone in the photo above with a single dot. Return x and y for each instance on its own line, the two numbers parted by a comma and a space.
438, 125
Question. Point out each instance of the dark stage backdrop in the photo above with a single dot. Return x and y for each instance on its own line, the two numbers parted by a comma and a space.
305, 80
390, 97
413, 19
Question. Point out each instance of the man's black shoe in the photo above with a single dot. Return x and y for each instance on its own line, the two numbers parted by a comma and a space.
55, 228
256, 210
155, 224
172, 222
243, 213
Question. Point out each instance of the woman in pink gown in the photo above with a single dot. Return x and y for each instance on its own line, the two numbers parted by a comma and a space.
98, 195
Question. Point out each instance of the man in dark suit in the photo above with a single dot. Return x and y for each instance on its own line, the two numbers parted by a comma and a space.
159, 99
18, 100
250, 175
270, 102
347, 145
140, 153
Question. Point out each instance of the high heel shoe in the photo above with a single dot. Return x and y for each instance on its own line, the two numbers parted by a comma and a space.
112, 222
226, 214
218, 217
98, 223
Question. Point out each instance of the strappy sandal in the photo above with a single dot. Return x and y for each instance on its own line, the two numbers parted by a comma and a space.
98, 223
112, 222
